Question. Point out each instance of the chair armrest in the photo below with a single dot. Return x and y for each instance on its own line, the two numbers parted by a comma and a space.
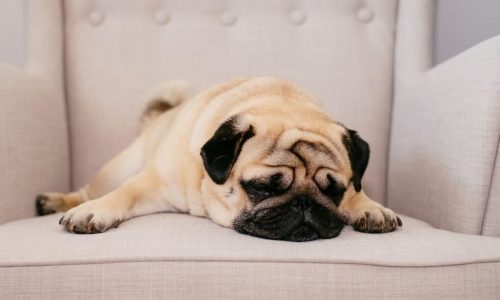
444, 140
33, 141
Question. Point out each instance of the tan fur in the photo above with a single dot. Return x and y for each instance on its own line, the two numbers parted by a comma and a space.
165, 96
163, 171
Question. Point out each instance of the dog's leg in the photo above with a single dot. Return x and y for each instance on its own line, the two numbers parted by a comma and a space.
49, 203
130, 161
366, 215
139, 195
123, 166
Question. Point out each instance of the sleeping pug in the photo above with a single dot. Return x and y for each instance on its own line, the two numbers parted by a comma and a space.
258, 155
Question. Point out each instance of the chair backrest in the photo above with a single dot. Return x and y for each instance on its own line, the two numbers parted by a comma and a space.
116, 50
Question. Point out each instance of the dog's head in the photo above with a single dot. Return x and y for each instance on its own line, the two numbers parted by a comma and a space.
287, 181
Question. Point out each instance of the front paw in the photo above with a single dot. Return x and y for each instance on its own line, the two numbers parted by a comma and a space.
376, 220
89, 217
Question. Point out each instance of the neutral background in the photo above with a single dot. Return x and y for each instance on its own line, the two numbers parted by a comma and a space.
459, 25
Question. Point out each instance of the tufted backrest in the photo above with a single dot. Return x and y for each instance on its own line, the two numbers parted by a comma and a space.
116, 50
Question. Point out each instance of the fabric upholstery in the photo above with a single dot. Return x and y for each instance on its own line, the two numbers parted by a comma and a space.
34, 154
445, 133
42, 241
44, 24
116, 51
491, 222
414, 48
33, 141
248, 280
180, 255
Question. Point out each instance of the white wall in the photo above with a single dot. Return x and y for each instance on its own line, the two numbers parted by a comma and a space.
459, 25
12, 31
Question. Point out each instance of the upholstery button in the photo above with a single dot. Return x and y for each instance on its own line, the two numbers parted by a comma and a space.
96, 17
297, 17
162, 17
365, 15
228, 19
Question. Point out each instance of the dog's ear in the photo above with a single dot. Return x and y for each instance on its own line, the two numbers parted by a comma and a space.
359, 154
221, 152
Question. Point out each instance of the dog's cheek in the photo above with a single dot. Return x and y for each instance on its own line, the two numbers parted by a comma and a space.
223, 202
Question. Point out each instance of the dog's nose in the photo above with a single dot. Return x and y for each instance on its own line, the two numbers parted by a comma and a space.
302, 202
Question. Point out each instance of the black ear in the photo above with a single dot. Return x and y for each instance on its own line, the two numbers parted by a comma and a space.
359, 153
221, 151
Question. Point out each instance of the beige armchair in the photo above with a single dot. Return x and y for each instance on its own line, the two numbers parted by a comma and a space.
434, 133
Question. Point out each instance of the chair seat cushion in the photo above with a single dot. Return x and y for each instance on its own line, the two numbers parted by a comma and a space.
190, 257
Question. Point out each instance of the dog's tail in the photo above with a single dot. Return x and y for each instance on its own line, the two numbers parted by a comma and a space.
165, 96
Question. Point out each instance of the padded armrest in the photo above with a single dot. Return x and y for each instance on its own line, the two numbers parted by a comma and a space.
444, 141
33, 141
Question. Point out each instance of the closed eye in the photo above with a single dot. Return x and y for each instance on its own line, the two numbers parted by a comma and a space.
258, 189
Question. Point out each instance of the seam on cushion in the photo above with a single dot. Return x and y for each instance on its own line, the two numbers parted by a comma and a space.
66, 97
392, 102
495, 161
97, 262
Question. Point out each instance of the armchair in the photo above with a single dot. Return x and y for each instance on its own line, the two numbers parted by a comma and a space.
434, 133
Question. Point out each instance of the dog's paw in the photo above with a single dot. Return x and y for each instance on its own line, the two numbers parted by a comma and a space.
89, 217
49, 203
376, 219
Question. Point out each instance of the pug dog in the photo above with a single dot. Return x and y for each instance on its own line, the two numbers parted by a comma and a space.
258, 155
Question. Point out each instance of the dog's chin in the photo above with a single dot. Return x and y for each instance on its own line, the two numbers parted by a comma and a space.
305, 233
282, 224
302, 234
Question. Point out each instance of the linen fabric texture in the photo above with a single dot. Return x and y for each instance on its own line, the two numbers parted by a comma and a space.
433, 132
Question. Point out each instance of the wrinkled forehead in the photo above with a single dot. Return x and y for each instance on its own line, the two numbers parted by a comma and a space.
297, 147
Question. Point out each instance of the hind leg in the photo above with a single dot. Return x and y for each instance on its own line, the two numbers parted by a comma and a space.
119, 169
49, 203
